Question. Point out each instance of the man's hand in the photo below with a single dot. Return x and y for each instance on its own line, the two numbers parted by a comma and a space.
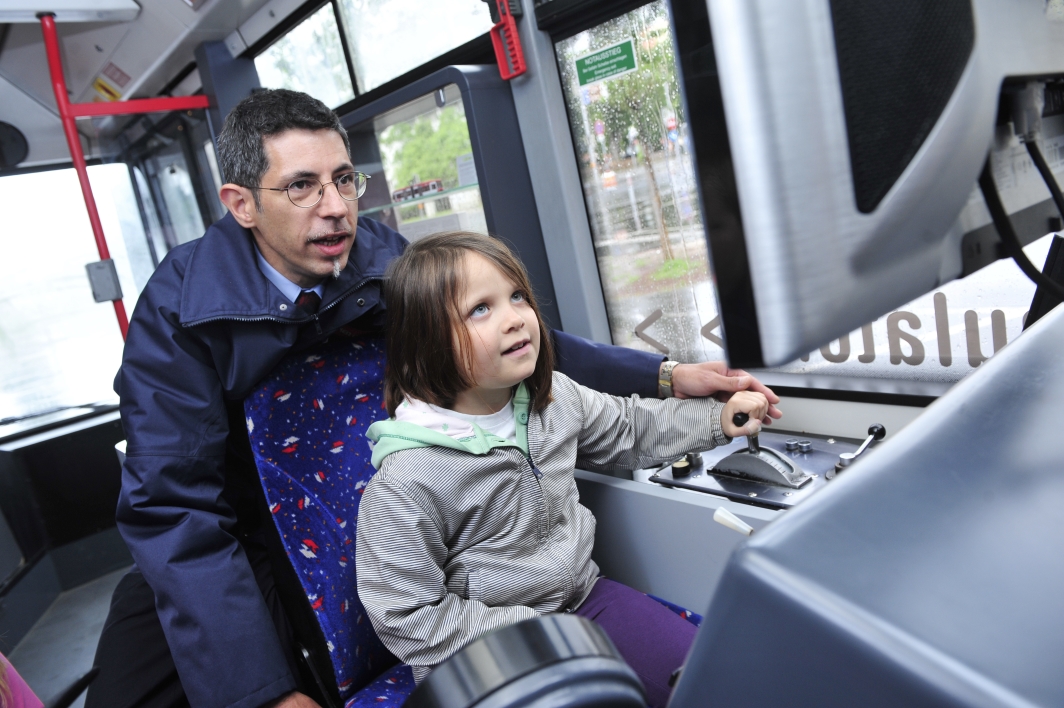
295, 699
714, 378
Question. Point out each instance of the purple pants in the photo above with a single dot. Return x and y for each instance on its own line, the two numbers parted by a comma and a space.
651, 638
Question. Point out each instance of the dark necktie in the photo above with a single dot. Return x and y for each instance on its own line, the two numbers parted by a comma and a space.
308, 301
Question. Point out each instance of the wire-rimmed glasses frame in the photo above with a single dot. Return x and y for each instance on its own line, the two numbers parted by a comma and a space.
350, 186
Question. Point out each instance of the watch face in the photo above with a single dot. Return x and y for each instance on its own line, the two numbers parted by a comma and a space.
665, 379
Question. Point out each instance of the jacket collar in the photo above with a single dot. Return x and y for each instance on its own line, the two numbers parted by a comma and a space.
395, 434
222, 278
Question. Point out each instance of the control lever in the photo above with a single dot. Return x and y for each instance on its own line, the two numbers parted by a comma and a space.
875, 432
762, 463
752, 446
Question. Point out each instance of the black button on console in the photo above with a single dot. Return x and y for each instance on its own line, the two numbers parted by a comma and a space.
681, 468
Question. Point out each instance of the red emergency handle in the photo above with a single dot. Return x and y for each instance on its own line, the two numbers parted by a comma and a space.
507, 43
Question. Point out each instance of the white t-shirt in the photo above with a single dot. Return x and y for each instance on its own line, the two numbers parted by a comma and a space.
503, 423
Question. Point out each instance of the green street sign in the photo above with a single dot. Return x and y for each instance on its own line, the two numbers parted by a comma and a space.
606, 63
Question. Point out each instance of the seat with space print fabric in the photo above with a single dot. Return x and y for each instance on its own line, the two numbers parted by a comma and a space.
307, 425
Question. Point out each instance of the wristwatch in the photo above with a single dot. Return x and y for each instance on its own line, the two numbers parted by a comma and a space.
665, 379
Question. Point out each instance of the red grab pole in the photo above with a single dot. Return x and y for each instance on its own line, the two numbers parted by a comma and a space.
55, 68
68, 112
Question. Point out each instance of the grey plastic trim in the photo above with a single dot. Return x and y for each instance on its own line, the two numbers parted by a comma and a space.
663, 541
103, 279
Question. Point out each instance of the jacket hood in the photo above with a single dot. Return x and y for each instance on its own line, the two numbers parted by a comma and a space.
223, 281
395, 434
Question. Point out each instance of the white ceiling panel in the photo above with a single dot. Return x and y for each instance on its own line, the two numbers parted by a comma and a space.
148, 38
42, 128
214, 20
69, 10
86, 48
25, 64
137, 57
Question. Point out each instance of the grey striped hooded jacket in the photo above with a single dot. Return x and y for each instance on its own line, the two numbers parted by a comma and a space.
460, 537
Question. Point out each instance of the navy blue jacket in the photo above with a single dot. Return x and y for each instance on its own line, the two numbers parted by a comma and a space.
206, 329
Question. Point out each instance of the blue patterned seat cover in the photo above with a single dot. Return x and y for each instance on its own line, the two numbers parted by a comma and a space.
692, 617
307, 424
389, 690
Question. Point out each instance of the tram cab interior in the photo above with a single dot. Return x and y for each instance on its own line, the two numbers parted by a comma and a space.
833, 197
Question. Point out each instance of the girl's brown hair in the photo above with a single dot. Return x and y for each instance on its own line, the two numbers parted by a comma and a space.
423, 288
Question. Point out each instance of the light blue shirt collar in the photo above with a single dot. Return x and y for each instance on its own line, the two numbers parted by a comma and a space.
289, 289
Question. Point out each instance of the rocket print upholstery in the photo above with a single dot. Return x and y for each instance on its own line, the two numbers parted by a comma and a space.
307, 424
692, 617
390, 689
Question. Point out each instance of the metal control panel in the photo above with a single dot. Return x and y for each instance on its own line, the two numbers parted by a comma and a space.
816, 455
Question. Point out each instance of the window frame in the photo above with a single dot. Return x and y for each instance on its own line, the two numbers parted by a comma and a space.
478, 50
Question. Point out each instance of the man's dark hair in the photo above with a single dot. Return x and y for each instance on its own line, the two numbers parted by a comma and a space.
241, 153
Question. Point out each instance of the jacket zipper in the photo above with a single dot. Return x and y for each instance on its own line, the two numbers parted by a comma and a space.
546, 501
317, 325
535, 470
546, 507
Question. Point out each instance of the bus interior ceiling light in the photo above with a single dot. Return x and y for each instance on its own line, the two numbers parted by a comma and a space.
69, 10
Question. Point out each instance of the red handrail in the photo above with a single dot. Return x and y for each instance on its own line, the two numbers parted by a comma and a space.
139, 105
68, 112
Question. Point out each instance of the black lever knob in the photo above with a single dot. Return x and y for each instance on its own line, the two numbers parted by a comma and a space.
876, 432
739, 420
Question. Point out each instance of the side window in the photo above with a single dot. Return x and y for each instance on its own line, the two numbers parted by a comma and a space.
309, 58
174, 173
630, 134
59, 347
419, 158
390, 37
625, 108
350, 47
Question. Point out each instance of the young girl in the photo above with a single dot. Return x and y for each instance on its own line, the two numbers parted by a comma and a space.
473, 521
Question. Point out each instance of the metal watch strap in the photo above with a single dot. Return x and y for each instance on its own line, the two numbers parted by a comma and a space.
665, 379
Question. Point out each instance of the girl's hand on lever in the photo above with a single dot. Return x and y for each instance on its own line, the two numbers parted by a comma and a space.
752, 403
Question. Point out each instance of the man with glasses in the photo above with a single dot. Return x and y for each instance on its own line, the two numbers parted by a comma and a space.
198, 620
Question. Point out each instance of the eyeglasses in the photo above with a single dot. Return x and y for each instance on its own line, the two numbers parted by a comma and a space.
307, 192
